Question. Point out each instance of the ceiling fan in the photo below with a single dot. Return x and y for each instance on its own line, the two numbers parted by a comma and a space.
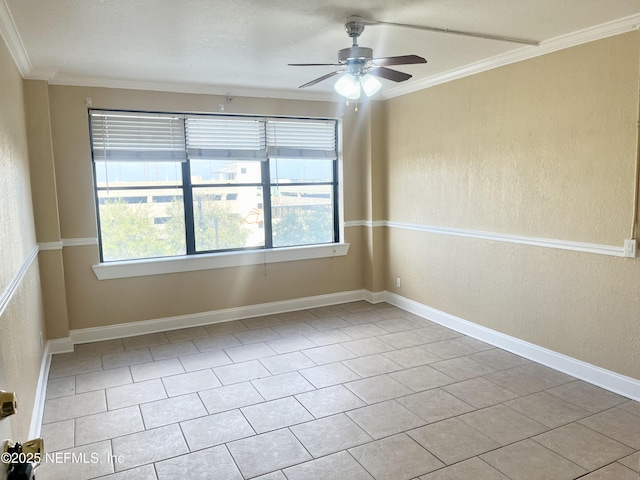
360, 69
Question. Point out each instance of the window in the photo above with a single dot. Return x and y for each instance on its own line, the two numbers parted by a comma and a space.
181, 184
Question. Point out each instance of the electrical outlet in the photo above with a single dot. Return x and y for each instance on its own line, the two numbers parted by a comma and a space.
398, 282
630, 248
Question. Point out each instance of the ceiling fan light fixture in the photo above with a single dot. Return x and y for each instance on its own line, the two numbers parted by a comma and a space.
370, 84
348, 86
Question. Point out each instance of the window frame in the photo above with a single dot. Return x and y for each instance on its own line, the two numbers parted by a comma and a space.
187, 187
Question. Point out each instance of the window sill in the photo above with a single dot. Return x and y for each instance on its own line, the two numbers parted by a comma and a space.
159, 266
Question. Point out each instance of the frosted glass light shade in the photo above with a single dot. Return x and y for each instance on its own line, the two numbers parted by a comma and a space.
348, 86
370, 84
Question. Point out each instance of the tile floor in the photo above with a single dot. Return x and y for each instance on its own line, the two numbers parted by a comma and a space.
353, 391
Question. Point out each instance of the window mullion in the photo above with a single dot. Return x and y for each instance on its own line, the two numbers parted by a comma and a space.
266, 204
187, 192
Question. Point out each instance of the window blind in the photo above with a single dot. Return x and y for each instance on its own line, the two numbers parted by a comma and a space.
302, 139
119, 136
216, 138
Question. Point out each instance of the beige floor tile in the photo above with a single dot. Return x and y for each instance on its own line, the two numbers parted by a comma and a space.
632, 461
145, 341
474, 468
283, 385
225, 328
384, 419
412, 357
631, 407
480, 392
330, 374
104, 379
398, 324
107, 425
232, 396
372, 365
435, 405
547, 409
157, 369
172, 350
395, 458
614, 471
587, 396
61, 387
184, 334
378, 389
452, 441
65, 408
287, 362
451, 348
276, 414
583, 446
404, 339
527, 460
271, 476
529, 378
291, 344
367, 330
328, 354
436, 333
75, 367
92, 462
296, 316
358, 306
126, 358
58, 435
499, 359
146, 472
257, 323
200, 361
216, 429
367, 346
617, 424
172, 410
267, 452
329, 322
134, 394
330, 435
503, 424
422, 378
328, 311
462, 368
339, 466
293, 329
149, 446
184, 383
328, 337
258, 335
217, 342
97, 349
329, 401
62, 357
244, 353
477, 345
241, 372
211, 463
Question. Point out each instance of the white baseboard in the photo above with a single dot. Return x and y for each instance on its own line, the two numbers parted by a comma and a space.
626, 386
41, 393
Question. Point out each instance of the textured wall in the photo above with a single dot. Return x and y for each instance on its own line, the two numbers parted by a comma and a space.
21, 321
94, 303
542, 148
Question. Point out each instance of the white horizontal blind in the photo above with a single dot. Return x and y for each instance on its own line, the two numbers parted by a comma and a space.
218, 138
137, 137
302, 139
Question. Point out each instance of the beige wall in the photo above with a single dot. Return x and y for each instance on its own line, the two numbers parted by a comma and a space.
21, 319
542, 148
93, 303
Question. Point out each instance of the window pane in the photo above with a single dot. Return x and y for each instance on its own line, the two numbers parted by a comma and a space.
134, 225
124, 174
225, 172
290, 170
227, 218
302, 215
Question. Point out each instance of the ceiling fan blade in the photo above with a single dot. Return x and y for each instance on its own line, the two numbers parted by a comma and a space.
313, 64
389, 74
320, 79
400, 60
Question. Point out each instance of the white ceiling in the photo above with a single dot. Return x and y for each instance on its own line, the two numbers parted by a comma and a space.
242, 47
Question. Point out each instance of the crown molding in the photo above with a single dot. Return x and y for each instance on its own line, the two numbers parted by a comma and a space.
598, 32
11, 37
